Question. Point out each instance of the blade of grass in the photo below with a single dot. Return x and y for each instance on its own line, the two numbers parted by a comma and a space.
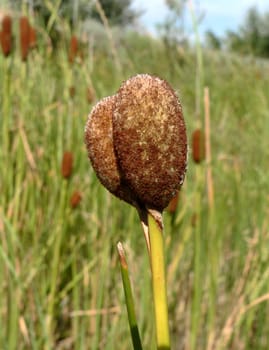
129, 299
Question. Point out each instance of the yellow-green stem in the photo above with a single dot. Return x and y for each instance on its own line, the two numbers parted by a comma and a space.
159, 284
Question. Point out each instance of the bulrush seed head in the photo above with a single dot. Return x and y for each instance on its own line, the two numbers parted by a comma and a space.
150, 139
67, 164
73, 49
136, 141
24, 37
198, 146
75, 199
6, 35
99, 143
32, 38
7, 25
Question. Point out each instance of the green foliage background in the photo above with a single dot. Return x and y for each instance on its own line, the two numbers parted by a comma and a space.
60, 285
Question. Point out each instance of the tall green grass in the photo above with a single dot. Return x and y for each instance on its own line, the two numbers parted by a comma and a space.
60, 285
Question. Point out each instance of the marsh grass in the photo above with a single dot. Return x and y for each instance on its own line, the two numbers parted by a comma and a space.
60, 284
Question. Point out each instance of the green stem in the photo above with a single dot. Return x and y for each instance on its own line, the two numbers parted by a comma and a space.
129, 299
159, 283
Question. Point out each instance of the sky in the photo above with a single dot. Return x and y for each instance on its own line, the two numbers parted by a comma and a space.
218, 15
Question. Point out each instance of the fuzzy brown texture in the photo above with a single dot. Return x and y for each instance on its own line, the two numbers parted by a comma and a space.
150, 139
75, 199
6, 43
7, 24
6, 35
32, 38
99, 143
67, 164
24, 37
198, 146
73, 49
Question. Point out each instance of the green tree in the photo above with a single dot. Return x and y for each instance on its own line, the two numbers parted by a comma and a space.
212, 40
253, 35
118, 12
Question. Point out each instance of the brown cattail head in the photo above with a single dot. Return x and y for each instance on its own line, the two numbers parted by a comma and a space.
137, 143
99, 143
198, 146
72, 91
7, 25
150, 139
32, 38
172, 206
75, 199
24, 37
73, 49
6, 35
67, 164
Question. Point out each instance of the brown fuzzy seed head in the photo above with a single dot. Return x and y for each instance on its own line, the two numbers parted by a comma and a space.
24, 37
67, 164
7, 25
75, 199
99, 143
32, 38
198, 146
150, 139
6, 43
73, 49
6, 35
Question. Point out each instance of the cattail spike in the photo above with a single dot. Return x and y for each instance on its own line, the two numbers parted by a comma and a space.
24, 37
67, 165
73, 49
75, 199
32, 38
198, 146
6, 35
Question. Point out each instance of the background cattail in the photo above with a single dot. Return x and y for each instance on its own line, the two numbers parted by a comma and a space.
32, 38
172, 206
198, 146
72, 91
73, 49
67, 164
24, 37
6, 35
75, 199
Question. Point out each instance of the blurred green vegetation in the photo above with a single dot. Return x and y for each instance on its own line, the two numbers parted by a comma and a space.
60, 285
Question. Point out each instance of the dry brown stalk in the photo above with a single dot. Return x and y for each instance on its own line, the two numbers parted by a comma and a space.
104, 19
